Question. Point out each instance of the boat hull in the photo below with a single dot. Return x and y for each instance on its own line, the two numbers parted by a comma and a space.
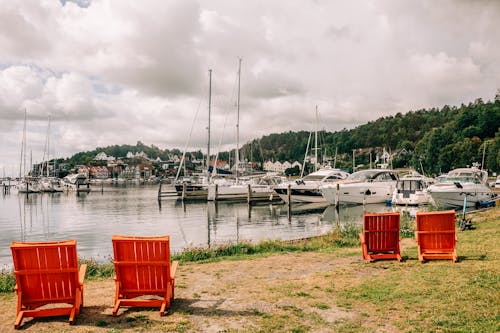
359, 193
300, 195
450, 196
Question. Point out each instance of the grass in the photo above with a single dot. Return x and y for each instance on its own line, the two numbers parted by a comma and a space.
341, 237
350, 295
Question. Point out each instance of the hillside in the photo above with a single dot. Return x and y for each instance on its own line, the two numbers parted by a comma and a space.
436, 139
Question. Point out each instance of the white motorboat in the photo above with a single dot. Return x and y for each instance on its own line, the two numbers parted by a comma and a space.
258, 188
29, 185
194, 187
362, 187
307, 189
51, 185
411, 190
460, 185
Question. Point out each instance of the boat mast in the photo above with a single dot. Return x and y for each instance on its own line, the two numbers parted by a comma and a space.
209, 111
23, 150
316, 142
237, 155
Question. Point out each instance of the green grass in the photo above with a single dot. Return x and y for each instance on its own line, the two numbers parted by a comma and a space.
438, 295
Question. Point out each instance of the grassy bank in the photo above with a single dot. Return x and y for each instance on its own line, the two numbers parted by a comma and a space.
346, 236
317, 284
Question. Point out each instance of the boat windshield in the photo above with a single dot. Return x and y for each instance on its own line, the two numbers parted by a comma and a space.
313, 177
372, 175
460, 179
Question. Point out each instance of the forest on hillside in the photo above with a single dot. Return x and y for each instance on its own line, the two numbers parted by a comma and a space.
435, 140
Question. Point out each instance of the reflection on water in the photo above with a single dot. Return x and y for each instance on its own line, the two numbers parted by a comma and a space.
92, 218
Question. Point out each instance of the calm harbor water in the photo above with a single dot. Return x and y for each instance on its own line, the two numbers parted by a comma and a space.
92, 218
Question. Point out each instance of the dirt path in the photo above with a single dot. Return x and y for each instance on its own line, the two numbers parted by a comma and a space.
242, 295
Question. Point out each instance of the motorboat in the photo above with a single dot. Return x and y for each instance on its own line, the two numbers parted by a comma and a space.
256, 188
411, 190
76, 182
194, 187
307, 189
362, 187
461, 186
51, 185
29, 185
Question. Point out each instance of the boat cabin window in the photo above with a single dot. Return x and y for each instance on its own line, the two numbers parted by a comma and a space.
384, 177
410, 185
313, 178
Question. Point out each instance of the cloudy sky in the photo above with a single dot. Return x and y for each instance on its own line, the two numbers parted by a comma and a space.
117, 72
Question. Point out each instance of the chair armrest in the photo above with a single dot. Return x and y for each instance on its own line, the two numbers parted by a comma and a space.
81, 273
362, 238
173, 268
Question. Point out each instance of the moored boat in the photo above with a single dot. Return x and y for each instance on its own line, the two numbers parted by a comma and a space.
307, 189
411, 190
362, 187
459, 186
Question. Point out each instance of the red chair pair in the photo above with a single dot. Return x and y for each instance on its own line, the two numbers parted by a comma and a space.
48, 273
435, 236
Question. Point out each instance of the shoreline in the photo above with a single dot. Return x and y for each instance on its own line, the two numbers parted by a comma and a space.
327, 289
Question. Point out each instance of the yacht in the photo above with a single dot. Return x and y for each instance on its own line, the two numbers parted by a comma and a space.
194, 187
307, 189
459, 186
411, 190
362, 187
29, 185
256, 188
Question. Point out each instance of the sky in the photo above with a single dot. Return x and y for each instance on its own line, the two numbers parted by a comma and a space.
118, 72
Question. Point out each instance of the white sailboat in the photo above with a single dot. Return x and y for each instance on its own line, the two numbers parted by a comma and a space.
195, 187
49, 183
238, 189
27, 184
307, 189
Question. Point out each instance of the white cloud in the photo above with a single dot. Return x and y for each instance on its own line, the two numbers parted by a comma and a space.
113, 72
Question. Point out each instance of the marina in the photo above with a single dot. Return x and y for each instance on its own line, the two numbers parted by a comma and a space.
92, 218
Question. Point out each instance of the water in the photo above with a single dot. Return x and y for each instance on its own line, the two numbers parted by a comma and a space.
92, 218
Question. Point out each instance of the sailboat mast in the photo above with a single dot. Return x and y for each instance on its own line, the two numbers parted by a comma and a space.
23, 153
316, 142
238, 122
209, 113
48, 149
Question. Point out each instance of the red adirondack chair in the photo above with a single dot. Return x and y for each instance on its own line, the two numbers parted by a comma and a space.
436, 236
143, 268
47, 273
380, 237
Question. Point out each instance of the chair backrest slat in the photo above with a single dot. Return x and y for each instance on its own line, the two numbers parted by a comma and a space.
142, 263
46, 271
381, 231
436, 230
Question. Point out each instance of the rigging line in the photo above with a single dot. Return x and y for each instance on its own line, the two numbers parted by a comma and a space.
226, 115
188, 139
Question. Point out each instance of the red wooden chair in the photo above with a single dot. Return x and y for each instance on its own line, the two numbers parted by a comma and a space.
143, 268
436, 236
47, 273
380, 237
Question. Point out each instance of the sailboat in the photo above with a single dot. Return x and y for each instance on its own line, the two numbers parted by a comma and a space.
195, 187
251, 188
27, 184
307, 189
49, 183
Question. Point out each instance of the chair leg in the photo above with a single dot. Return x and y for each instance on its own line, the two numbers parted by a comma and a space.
72, 316
19, 319
115, 309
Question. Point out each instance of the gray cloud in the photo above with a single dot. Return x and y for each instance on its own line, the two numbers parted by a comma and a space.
112, 72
